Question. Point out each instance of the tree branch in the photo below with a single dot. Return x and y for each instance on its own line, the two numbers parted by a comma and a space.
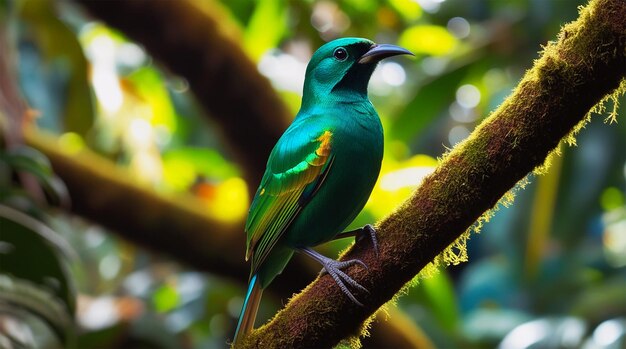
587, 63
192, 40
177, 224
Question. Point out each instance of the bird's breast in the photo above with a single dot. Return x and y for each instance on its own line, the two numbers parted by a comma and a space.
357, 148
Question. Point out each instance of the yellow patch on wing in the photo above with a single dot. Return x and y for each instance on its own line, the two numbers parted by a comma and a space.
323, 150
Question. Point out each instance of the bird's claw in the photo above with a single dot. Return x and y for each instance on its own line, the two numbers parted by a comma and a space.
344, 264
368, 231
333, 268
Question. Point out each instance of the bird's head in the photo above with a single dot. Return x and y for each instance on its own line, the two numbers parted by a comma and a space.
341, 69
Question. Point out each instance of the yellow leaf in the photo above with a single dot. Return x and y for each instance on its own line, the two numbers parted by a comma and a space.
428, 39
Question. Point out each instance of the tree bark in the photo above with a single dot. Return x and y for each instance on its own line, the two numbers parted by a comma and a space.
175, 224
585, 64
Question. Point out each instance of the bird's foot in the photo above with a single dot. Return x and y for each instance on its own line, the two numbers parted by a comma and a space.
360, 234
368, 231
333, 268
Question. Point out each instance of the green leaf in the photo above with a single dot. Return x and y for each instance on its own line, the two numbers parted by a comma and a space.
441, 297
611, 199
4, 9
26, 295
183, 165
30, 160
409, 9
33, 274
60, 45
166, 298
149, 86
266, 27
23, 158
428, 39
427, 105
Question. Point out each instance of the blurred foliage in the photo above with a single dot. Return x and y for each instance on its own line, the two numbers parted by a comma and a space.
548, 272
37, 292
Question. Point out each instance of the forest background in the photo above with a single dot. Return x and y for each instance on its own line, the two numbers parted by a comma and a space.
134, 134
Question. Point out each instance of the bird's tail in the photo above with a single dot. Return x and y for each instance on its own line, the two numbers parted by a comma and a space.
248, 310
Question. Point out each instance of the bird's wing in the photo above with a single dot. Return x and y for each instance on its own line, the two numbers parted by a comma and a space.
295, 170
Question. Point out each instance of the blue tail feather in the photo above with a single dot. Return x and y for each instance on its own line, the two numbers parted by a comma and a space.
248, 310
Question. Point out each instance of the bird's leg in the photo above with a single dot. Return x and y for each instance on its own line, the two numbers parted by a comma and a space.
333, 268
360, 234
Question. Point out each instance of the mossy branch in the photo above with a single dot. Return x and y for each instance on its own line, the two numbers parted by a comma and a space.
575, 73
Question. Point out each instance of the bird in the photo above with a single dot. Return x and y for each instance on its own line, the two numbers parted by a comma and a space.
320, 173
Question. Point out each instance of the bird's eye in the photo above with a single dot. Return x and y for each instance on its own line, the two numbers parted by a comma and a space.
340, 54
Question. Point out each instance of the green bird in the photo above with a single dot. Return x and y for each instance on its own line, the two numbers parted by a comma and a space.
321, 171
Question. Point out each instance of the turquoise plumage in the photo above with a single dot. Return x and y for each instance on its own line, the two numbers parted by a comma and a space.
321, 171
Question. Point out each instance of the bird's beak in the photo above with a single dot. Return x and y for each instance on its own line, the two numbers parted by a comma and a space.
380, 51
